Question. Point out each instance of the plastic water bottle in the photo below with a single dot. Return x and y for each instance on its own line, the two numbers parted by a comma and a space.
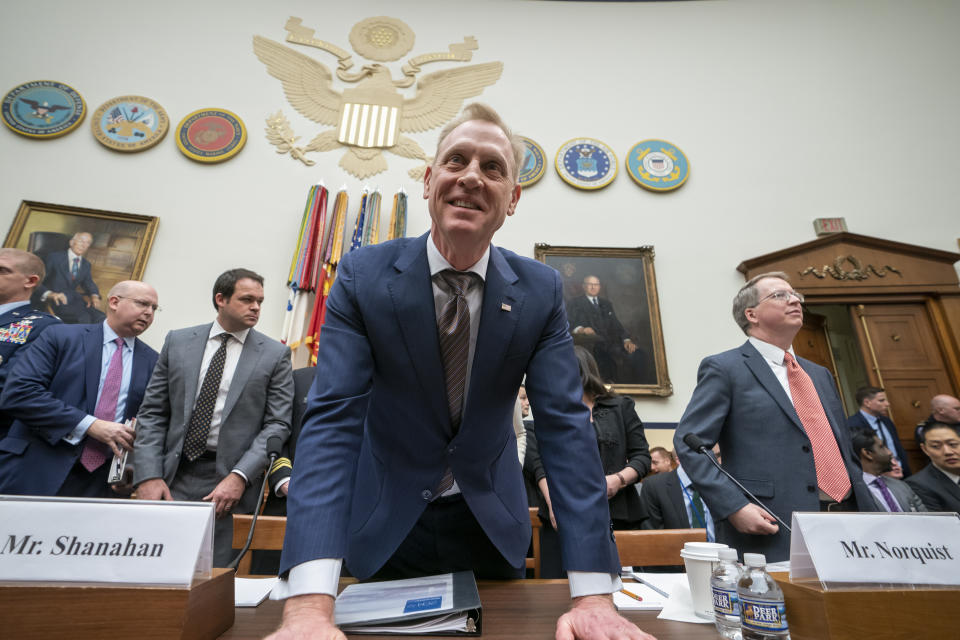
762, 613
726, 602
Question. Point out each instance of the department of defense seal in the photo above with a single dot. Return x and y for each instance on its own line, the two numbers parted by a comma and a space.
657, 165
130, 123
43, 109
586, 163
534, 163
211, 135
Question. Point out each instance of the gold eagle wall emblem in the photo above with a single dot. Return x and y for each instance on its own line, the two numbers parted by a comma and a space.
373, 115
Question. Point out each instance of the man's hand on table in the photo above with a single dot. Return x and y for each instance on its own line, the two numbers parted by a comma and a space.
308, 617
595, 618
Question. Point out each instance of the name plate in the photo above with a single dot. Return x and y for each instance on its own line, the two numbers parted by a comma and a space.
885, 548
116, 541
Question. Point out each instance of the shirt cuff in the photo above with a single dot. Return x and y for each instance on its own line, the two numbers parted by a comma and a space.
315, 576
588, 583
75, 436
276, 487
241, 474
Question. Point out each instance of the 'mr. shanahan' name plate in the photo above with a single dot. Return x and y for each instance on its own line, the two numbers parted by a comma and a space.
876, 548
116, 541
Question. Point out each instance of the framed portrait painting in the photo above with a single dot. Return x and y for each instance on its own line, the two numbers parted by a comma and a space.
614, 313
85, 252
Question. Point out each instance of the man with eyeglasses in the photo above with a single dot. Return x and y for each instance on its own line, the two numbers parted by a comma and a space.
937, 483
219, 391
779, 422
71, 394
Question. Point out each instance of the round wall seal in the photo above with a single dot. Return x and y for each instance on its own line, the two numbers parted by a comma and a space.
586, 163
657, 165
534, 163
43, 109
130, 123
211, 135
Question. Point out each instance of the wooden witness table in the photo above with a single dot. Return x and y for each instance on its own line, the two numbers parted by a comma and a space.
512, 610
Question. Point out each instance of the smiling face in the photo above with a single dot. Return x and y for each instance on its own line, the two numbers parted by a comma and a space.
80, 242
470, 188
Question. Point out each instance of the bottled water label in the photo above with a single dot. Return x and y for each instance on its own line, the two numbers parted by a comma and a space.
726, 603
763, 615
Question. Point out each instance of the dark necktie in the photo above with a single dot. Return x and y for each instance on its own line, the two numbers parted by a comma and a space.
887, 496
75, 268
596, 304
831, 473
453, 328
699, 517
95, 452
196, 440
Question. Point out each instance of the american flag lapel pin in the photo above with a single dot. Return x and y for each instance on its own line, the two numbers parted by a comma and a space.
504, 306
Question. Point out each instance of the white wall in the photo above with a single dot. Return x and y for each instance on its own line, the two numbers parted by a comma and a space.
787, 110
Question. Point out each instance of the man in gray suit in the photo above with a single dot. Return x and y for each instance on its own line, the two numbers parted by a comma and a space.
889, 494
779, 423
218, 392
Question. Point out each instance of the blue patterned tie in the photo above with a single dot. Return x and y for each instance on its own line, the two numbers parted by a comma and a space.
196, 440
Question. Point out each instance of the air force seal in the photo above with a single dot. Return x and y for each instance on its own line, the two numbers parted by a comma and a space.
534, 163
657, 165
586, 163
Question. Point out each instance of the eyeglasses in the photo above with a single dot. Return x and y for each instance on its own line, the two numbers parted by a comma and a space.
143, 304
783, 295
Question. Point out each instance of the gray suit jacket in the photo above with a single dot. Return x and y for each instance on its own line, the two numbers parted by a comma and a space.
902, 493
258, 406
739, 403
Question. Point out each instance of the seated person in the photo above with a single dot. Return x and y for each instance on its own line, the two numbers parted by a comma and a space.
876, 459
936, 484
671, 501
943, 409
69, 288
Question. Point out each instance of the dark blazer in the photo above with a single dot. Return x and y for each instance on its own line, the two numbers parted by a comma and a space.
60, 279
938, 492
53, 385
377, 436
621, 441
18, 328
663, 502
857, 421
283, 466
600, 318
739, 403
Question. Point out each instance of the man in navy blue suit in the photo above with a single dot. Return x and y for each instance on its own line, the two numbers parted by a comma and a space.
873, 415
69, 279
70, 394
407, 461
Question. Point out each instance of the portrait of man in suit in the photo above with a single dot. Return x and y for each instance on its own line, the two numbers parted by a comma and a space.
779, 422
71, 394
69, 287
219, 391
408, 454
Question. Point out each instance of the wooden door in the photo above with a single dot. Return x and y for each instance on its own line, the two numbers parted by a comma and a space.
813, 343
904, 357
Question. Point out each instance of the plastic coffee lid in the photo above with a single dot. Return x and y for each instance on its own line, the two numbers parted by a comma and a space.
702, 550
727, 554
754, 560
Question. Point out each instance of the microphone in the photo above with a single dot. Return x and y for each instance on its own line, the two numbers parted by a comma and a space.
698, 445
274, 444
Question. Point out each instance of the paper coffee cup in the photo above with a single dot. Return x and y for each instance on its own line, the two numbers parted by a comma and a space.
699, 559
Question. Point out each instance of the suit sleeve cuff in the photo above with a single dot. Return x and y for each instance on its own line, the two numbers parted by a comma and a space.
588, 583
315, 576
242, 475
75, 436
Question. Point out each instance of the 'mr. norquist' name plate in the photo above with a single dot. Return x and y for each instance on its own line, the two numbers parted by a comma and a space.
117, 541
885, 548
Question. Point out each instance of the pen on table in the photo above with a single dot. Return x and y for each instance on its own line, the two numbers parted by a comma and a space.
631, 594
654, 587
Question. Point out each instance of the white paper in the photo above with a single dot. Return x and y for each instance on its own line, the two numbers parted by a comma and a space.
680, 605
876, 548
115, 541
651, 599
249, 592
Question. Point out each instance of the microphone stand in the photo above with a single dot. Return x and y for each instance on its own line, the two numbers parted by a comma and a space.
256, 512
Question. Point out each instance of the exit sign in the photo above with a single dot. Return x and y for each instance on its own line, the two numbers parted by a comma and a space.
825, 226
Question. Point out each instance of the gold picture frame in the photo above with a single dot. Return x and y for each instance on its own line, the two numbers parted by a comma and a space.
627, 311
120, 247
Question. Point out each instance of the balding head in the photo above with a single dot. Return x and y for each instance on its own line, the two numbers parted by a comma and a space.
131, 306
945, 409
20, 273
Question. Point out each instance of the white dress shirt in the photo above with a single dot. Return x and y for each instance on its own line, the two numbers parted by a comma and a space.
234, 348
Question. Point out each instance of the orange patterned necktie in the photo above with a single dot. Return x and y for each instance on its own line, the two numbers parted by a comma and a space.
831, 473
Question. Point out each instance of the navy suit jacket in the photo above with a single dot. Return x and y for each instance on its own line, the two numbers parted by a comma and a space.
857, 421
52, 387
739, 403
377, 435
662, 499
59, 279
30, 324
